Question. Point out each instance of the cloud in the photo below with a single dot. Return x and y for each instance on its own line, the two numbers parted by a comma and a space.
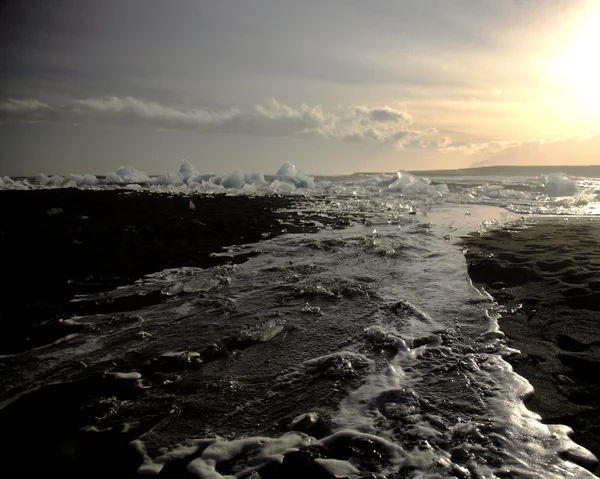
480, 148
384, 115
426, 144
270, 120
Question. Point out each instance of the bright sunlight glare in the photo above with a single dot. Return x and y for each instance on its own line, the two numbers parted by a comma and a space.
574, 75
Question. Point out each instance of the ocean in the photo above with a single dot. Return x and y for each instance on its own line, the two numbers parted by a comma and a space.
348, 342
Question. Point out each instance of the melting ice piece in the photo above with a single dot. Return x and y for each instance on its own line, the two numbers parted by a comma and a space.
234, 180
256, 178
559, 184
84, 180
303, 420
173, 289
55, 180
127, 174
187, 170
282, 186
173, 179
288, 173
410, 185
192, 205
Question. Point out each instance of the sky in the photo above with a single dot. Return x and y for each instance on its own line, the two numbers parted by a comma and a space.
334, 86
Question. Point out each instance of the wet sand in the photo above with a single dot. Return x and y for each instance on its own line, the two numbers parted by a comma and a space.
547, 276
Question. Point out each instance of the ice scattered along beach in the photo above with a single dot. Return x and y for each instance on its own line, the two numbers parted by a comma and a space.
554, 193
288, 173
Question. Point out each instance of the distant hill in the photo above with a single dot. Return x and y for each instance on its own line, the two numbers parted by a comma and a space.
592, 171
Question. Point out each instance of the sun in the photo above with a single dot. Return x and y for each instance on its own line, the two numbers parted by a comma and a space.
573, 76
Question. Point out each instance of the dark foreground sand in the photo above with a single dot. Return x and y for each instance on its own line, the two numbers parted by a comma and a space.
98, 241
552, 269
104, 239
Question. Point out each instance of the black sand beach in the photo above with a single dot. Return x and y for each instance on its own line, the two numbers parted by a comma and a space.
547, 276
104, 239
100, 240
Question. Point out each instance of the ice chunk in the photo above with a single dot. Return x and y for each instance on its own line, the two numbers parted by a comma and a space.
282, 186
173, 289
410, 185
287, 169
559, 184
302, 420
442, 188
114, 178
41, 179
202, 177
248, 189
44, 180
256, 178
289, 173
263, 332
7, 183
129, 174
173, 179
234, 180
84, 180
187, 170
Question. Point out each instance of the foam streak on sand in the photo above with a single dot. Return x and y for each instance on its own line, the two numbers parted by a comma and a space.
546, 274
337, 335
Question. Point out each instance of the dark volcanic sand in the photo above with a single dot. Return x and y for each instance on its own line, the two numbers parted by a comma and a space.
104, 239
100, 240
552, 269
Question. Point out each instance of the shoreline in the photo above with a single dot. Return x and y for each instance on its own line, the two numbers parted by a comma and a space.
546, 274
100, 240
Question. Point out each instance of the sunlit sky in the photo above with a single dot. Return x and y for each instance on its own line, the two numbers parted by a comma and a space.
333, 86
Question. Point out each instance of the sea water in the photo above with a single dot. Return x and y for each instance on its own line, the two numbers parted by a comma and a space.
364, 343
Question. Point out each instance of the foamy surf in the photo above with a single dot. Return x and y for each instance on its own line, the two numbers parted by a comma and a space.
356, 350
